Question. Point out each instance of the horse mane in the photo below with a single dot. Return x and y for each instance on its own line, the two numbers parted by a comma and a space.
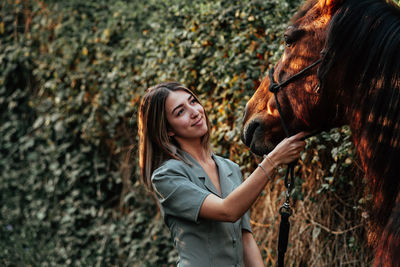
363, 51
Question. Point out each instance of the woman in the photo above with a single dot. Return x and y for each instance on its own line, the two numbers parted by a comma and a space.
202, 198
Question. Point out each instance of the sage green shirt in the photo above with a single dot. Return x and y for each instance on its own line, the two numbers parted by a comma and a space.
181, 189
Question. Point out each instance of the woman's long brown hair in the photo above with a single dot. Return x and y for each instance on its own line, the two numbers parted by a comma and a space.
155, 146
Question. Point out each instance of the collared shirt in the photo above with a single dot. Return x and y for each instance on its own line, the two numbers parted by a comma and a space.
181, 189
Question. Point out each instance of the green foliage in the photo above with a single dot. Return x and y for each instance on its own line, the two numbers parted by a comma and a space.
66, 98
338, 143
71, 77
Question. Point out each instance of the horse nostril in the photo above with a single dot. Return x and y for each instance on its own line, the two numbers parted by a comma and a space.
248, 134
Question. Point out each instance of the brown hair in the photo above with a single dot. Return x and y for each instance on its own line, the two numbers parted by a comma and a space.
155, 146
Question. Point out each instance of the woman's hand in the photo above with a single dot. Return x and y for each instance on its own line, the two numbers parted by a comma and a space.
288, 149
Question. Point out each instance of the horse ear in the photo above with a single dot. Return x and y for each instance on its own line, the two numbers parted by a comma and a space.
332, 4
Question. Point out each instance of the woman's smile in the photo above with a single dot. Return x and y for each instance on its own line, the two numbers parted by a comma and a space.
199, 122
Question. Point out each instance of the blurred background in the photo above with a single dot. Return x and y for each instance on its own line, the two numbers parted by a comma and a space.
71, 77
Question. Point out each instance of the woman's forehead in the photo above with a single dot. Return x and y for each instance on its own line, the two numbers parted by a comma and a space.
175, 98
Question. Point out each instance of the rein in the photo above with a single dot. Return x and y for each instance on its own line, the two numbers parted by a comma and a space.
285, 211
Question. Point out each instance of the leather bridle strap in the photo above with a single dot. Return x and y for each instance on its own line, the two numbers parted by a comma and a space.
285, 211
275, 87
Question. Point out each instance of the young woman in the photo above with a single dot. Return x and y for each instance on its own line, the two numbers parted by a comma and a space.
201, 195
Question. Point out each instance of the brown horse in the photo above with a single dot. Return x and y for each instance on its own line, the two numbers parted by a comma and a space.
355, 80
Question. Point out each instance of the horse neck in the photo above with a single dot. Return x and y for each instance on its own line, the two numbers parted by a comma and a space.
362, 61
360, 70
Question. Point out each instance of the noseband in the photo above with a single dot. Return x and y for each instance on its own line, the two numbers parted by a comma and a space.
285, 211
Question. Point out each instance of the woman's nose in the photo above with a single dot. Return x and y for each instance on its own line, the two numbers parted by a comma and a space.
195, 113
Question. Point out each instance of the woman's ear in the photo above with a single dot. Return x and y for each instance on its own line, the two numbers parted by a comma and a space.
170, 132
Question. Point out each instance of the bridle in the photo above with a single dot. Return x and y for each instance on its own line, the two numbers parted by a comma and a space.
274, 87
285, 211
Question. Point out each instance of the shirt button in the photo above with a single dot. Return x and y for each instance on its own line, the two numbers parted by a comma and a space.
234, 242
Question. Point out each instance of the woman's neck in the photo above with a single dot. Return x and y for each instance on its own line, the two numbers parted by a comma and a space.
197, 151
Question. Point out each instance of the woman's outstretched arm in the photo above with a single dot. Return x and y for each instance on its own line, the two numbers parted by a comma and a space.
240, 200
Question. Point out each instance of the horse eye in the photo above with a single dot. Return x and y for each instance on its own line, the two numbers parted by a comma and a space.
292, 35
288, 40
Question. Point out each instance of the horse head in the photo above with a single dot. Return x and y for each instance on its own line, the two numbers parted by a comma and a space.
304, 108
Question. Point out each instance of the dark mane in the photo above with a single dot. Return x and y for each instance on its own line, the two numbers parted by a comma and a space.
363, 45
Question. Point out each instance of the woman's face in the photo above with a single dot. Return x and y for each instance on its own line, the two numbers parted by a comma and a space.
185, 116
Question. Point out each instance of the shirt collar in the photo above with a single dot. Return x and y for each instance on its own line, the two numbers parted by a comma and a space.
224, 171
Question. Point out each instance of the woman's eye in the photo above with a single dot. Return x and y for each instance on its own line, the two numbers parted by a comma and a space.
179, 112
193, 101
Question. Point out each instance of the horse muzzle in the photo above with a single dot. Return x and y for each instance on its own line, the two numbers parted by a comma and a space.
254, 136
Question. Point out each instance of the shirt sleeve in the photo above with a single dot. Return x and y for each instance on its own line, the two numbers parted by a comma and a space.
245, 223
177, 194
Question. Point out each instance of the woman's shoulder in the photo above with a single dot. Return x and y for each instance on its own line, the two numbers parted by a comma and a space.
227, 161
170, 166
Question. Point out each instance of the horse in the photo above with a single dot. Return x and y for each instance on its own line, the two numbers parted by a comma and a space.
341, 66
